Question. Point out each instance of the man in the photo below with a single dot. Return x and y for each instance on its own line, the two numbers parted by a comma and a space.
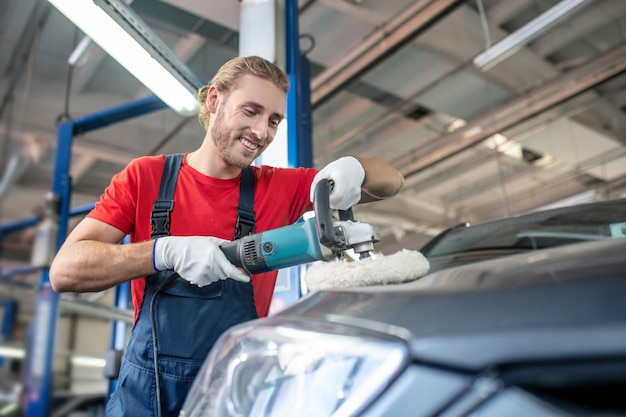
185, 292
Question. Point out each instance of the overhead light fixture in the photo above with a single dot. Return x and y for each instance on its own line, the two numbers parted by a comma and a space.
11, 352
88, 361
121, 33
78, 54
518, 39
9, 409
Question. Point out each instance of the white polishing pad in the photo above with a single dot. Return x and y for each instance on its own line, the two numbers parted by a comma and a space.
406, 265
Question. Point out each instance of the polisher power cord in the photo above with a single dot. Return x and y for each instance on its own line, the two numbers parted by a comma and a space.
155, 339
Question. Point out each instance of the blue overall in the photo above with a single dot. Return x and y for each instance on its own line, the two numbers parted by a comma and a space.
182, 320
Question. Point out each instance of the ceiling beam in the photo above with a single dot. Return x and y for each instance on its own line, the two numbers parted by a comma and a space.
530, 171
536, 101
570, 109
559, 188
388, 38
356, 11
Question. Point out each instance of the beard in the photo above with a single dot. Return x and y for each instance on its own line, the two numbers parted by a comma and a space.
227, 144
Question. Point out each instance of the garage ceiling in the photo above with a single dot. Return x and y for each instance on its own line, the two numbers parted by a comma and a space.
392, 78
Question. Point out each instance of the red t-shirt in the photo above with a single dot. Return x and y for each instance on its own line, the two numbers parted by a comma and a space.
204, 206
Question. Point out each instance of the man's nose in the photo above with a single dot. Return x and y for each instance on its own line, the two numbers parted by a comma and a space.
260, 129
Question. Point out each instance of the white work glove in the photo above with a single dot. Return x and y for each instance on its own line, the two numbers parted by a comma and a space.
197, 259
347, 175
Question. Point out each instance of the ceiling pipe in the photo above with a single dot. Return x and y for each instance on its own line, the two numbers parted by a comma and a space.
393, 34
599, 69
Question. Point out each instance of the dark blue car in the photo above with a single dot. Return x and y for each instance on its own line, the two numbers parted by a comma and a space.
520, 317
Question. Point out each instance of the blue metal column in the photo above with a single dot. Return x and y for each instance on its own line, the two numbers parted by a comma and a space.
299, 137
41, 353
299, 133
8, 322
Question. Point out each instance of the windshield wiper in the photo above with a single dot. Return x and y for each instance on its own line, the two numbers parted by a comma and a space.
561, 235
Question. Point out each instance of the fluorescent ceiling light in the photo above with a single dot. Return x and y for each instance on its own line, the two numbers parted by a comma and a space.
88, 361
123, 35
8, 351
9, 409
77, 56
518, 39
11, 352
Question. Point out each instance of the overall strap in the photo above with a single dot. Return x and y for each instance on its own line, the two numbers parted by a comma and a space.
163, 205
245, 211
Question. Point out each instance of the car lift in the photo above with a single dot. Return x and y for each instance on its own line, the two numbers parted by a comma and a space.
40, 353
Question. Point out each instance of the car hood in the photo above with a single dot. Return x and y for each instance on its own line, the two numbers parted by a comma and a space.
560, 303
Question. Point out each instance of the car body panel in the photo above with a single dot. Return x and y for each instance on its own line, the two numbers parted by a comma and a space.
522, 317
523, 307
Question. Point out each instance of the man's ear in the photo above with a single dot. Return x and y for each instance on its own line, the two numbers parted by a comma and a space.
212, 99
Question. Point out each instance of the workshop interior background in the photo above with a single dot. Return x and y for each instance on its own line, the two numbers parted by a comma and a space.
396, 78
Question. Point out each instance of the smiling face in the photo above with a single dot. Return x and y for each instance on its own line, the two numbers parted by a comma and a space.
244, 121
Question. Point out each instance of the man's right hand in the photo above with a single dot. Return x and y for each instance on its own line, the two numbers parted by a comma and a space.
347, 175
197, 259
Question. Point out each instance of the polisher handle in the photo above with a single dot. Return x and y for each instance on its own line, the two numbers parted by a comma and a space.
323, 217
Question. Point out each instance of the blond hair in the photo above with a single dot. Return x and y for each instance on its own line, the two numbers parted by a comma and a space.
229, 74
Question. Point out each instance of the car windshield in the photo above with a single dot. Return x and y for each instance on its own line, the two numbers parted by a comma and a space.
540, 230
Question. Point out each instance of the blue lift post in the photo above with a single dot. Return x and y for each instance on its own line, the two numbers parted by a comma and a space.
38, 387
299, 129
8, 322
299, 136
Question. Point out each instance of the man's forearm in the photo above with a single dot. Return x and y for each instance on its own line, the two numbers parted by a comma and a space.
88, 265
382, 180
